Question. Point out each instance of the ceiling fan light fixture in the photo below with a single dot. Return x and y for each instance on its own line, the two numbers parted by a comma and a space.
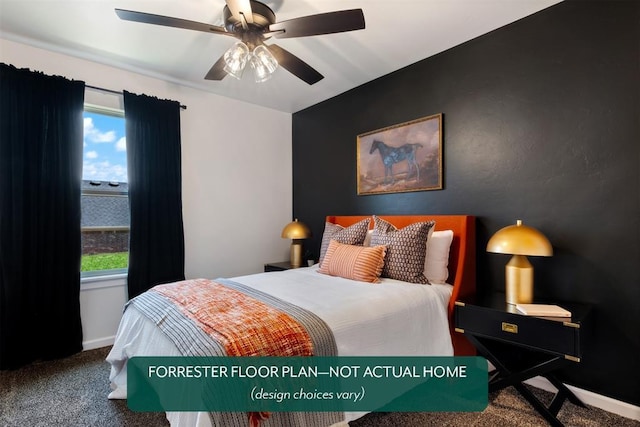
263, 63
235, 59
252, 22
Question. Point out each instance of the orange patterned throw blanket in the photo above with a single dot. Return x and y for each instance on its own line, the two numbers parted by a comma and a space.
225, 318
243, 325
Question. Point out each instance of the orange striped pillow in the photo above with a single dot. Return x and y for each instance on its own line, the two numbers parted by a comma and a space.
363, 263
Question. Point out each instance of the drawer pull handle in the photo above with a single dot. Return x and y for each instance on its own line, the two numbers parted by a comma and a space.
510, 327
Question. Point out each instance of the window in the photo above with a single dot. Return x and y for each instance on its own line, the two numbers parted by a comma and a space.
105, 202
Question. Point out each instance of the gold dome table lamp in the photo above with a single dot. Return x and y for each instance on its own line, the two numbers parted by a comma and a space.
296, 231
520, 241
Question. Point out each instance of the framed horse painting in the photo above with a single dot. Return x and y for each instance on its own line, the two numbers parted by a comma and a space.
402, 157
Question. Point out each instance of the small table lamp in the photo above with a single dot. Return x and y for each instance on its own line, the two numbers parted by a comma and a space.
520, 241
296, 231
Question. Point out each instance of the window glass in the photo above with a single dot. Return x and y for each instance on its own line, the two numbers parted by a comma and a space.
105, 202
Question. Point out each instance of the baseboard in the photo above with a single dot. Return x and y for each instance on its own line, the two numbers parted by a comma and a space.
102, 342
605, 403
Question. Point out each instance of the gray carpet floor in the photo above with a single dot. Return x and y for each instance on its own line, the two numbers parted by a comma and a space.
73, 392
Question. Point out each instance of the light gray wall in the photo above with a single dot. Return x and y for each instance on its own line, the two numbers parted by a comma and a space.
236, 169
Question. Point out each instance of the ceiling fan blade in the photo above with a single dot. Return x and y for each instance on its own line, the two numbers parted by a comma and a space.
217, 72
240, 8
295, 65
167, 21
322, 23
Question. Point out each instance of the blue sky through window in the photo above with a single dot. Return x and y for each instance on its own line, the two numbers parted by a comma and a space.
105, 148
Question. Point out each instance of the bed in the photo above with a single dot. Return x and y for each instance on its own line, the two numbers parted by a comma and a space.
362, 318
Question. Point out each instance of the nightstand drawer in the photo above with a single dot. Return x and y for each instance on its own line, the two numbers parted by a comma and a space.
550, 336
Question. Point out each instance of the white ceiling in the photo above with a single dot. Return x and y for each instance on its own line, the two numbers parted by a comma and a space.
397, 33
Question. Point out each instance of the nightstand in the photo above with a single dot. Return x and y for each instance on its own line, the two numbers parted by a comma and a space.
522, 347
277, 266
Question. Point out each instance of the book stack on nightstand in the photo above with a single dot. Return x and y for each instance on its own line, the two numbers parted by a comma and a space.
545, 311
525, 341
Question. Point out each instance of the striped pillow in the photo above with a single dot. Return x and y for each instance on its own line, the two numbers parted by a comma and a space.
363, 263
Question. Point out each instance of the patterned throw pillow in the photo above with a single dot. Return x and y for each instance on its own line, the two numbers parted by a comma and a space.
352, 235
361, 263
406, 249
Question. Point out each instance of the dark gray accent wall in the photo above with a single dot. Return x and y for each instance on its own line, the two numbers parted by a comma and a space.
541, 123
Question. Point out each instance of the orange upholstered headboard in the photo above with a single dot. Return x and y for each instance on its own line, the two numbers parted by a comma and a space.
462, 258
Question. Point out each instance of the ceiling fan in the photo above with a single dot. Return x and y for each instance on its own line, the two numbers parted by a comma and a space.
253, 22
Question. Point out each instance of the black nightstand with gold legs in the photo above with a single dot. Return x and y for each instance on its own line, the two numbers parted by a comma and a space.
521, 347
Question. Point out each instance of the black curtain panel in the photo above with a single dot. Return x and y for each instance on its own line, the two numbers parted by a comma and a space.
156, 238
41, 133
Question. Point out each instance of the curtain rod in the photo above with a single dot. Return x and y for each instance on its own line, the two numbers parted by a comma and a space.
182, 107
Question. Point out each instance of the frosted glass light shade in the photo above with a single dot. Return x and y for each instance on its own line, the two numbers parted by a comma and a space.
263, 63
236, 59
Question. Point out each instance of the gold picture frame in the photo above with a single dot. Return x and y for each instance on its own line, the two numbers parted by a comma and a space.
401, 158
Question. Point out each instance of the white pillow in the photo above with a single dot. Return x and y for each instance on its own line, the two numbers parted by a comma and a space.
436, 262
367, 240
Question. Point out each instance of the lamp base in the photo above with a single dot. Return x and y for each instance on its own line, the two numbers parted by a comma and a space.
519, 280
296, 253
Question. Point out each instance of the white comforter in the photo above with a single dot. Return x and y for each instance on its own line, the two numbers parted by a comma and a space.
390, 318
